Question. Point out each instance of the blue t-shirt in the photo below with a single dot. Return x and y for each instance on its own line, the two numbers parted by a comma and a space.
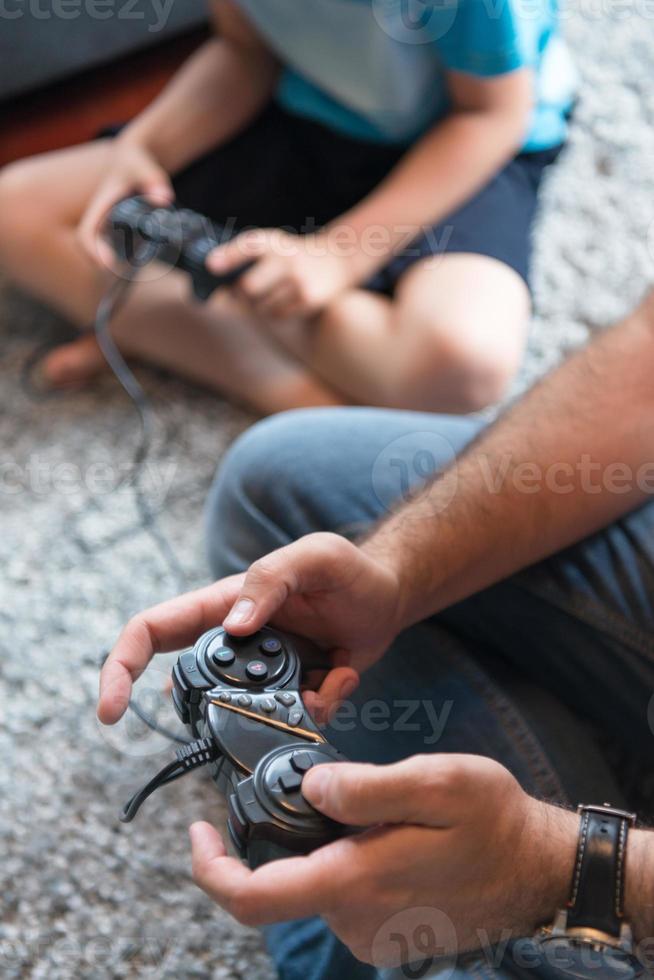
376, 69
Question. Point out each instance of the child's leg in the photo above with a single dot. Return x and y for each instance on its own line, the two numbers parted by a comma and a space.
451, 340
41, 202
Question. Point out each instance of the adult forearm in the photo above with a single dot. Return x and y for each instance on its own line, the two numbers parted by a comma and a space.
444, 169
219, 89
573, 455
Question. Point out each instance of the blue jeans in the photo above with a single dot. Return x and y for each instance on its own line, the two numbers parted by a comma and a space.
550, 672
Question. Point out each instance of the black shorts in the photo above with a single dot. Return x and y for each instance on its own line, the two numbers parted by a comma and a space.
290, 172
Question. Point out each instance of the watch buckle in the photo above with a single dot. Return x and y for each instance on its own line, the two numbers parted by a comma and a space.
559, 929
611, 811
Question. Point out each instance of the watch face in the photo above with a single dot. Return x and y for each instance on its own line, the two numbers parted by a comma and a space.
570, 959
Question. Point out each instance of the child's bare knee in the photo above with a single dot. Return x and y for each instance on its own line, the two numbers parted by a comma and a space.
484, 378
450, 369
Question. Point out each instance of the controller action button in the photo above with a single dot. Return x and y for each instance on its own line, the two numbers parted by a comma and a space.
244, 700
271, 646
225, 697
257, 670
188, 665
295, 716
285, 698
222, 657
302, 762
290, 782
267, 704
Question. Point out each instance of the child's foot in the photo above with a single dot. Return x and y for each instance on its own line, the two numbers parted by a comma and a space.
73, 365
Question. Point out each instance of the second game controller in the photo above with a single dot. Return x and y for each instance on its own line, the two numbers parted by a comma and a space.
140, 233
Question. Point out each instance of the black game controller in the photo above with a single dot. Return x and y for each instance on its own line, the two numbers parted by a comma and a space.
140, 233
240, 696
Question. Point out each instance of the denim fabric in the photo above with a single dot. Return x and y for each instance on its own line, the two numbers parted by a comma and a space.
551, 672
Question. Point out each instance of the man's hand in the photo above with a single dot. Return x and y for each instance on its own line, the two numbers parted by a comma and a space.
322, 587
295, 275
455, 835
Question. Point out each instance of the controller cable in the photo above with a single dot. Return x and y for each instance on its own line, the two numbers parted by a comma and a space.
198, 753
109, 306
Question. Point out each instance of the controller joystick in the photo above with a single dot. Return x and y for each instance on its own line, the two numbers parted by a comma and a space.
241, 699
140, 233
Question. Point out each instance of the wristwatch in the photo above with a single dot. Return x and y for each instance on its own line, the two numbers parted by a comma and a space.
590, 938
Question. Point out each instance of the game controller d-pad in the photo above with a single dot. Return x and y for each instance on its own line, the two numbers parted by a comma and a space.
269, 816
241, 698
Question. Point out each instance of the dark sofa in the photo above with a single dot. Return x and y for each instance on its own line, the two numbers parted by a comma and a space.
42, 41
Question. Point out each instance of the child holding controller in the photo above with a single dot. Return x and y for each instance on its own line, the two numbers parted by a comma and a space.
387, 154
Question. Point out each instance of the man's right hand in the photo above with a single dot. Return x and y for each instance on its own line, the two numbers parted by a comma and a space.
322, 587
132, 169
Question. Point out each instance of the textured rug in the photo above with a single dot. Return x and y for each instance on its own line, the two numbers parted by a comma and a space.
83, 896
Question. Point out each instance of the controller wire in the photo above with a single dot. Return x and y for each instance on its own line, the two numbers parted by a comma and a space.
198, 753
109, 306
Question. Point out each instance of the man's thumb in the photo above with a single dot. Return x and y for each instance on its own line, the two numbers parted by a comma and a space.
363, 794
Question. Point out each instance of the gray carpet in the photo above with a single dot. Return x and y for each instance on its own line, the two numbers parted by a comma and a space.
83, 896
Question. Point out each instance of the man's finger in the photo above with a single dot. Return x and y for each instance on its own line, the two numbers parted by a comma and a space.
168, 626
338, 686
318, 561
420, 790
290, 888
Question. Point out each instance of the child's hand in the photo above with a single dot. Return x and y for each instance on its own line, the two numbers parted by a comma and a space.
295, 275
132, 170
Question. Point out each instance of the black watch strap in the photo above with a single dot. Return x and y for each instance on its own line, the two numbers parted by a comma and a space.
597, 900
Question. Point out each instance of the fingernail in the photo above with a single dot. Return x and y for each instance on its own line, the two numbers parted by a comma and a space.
240, 613
316, 784
348, 689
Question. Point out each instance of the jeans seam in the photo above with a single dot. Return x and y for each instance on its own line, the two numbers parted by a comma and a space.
515, 727
595, 616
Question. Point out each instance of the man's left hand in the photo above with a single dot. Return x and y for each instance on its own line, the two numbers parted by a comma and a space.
293, 276
451, 833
